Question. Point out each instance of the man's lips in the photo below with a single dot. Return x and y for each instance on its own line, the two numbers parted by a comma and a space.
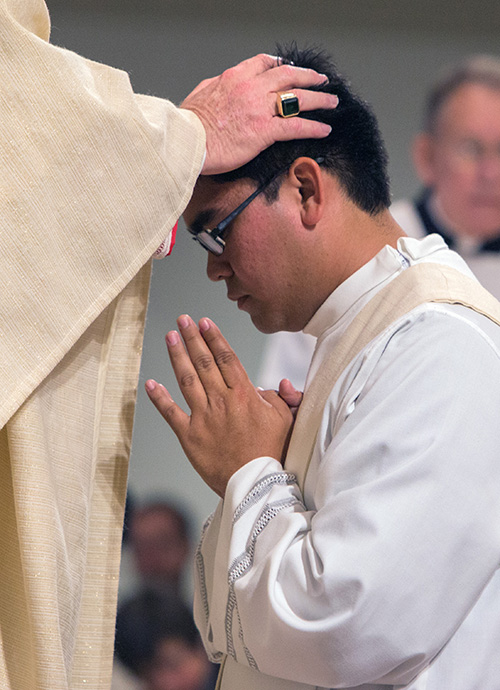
241, 299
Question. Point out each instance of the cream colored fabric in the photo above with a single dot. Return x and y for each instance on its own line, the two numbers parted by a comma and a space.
418, 284
64, 460
93, 179
32, 15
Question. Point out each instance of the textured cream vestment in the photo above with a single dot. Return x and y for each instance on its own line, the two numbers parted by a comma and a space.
93, 179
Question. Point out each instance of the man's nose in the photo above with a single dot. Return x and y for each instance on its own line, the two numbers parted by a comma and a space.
218, 268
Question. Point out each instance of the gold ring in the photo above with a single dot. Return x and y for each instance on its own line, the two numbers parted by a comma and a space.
288, 104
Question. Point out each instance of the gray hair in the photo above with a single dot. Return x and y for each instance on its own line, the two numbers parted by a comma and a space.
478, 69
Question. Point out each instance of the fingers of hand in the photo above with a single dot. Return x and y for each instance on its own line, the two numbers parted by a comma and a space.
315, 100
168, 409
209, 361
269, 396
285, 77
274, 400
308, 100
208, 358
256, 75
256, 64
289, 393
298, 128
230, 367
186, 373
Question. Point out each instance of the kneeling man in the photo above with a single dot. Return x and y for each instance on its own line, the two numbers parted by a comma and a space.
357, 546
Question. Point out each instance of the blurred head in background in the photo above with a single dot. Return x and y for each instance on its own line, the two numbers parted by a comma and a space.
159, 538
457, 156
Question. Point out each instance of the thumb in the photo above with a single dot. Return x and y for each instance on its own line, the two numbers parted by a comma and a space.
290, 394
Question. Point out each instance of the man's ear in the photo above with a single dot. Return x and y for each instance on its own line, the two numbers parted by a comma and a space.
423, 154
307, 176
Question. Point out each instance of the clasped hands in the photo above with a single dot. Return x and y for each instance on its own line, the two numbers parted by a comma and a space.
231, 422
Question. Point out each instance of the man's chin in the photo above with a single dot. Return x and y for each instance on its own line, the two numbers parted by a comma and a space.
267, 323
262, 326
261, 322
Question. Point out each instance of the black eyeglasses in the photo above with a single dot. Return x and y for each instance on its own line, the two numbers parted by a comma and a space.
211, 240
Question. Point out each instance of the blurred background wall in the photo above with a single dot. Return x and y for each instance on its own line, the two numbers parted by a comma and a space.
389, 49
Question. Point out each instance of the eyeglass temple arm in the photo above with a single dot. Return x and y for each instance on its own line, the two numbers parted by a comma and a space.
223, 224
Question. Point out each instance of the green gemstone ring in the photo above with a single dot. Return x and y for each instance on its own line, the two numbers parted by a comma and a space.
288, 104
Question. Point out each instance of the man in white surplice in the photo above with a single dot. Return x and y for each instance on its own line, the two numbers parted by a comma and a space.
366, 555
457, 159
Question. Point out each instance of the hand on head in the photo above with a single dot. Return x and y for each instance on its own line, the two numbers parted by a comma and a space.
239, 112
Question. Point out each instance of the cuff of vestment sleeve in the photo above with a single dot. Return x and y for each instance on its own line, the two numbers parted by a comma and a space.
244, 479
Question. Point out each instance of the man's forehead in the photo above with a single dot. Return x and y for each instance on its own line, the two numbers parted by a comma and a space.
212, 199
472, 101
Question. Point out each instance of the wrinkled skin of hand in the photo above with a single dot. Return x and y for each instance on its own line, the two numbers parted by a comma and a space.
238, 110
231, 422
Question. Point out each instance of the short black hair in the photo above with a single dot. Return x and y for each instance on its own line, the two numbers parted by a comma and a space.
354, 150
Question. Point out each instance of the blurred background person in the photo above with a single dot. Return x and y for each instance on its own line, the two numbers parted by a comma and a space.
158, 645
457, 159
160, 541
157, 548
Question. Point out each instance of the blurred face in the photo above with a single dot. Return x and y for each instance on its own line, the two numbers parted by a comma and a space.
263, 263
461, 161
160, 551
